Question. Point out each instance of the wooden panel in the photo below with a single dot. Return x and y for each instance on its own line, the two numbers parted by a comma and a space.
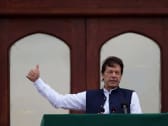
102, 29
68, 29
164, 69
4, 74
83, 7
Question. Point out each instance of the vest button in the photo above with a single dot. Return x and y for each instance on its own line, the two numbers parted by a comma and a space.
104, 98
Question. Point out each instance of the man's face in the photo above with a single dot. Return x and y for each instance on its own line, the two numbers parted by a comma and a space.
112, 76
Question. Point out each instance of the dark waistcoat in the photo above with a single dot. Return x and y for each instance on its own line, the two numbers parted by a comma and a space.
118, 98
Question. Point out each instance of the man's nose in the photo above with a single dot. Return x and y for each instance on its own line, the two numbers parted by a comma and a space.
113, 74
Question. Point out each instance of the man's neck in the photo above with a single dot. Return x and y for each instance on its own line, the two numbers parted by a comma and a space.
110, 89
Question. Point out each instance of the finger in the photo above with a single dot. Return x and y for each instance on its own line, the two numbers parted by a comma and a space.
28, 77
32, 72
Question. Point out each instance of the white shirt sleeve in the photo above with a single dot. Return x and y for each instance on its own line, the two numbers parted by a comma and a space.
135, 106
68, 101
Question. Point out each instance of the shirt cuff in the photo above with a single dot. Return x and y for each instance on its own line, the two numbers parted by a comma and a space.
39, 83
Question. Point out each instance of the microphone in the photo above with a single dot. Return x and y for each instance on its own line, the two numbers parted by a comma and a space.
113, 110
125, 108
102, 109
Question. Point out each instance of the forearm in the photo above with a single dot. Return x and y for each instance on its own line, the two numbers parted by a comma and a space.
46, 91
69, 101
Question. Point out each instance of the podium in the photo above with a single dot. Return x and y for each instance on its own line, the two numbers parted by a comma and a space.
105, 120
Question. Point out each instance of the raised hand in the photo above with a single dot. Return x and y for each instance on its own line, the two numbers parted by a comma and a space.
34, 74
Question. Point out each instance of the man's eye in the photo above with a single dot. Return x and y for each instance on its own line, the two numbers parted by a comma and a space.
109, 72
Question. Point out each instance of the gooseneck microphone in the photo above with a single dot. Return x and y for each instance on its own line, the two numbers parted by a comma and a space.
102, 109
125, 108
113, 110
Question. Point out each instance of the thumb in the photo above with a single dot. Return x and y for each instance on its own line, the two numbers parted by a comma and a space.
37, 66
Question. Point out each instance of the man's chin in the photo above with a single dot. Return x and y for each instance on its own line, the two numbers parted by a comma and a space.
113, 85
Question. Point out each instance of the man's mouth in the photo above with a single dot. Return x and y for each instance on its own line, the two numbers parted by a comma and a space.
113, 81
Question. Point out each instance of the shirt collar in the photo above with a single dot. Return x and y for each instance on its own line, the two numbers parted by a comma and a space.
109, 91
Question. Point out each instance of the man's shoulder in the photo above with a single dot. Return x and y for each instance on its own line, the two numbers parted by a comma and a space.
94, 91
126, 90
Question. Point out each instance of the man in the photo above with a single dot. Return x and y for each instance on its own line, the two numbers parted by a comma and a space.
110, 99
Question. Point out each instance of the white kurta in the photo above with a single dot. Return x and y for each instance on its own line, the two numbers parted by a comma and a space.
78, 101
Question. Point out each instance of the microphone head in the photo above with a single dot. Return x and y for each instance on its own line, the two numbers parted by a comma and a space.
102, 109
113, 110
124, 106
